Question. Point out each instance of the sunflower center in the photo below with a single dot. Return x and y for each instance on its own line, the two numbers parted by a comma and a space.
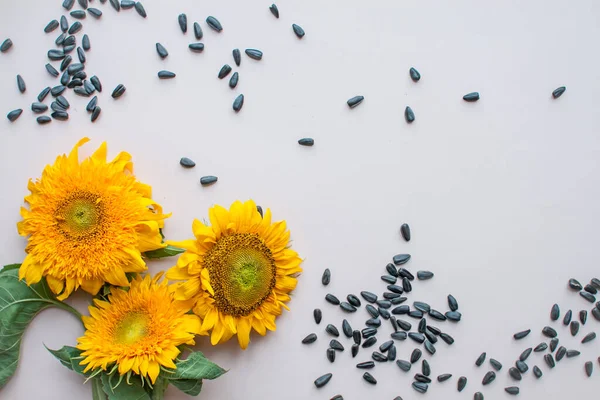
79, 215
131, 329
242, 273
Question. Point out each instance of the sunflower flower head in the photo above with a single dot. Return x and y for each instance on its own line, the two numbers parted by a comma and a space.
88, 223
237, 273
138, 330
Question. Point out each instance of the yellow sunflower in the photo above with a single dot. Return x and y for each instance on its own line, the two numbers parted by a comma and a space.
137, 330
88, 223
237, 273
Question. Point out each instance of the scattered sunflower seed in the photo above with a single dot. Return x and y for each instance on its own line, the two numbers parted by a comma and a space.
365, 365
572, 353
405, 231
574, 328
355, 101
525, 354
403, 365
80, 55
495, 364
83, 3
574, 284
521, 366
515, 374
254, 54
480, 359
583, 316
63, 102
14, 114
549, 332
368, 296
332, 299
166, 74
92, 104
51, 70
549, 360
21, 84
208, 180
540, 347
590, 289
373, 322
139, 7
78, 14
560, 353
162, 52
7, 44
96, 113
356, 336
589, 337
274, 10
444, 377
415, 356
323, 380
44, 119
94, 12
414, 74
424, 275
553, 344
409, 114
588, 296
336, 345
462, 382
196, 47
537, 371
377, 356
68, 4
214, 24
352, 299
369, 342
43, 94
182, 20
298, 31
488, 378
354, 350
555, 312
38, 107
478, 396
332, 330
567, 318
186, 162
198, 31
318, 315
556, 93
237, 58
52, 25
55, 54
96, 82
420, 387
57, 90
399, 335
116, 5
119, 90
447, 338
589, 368
369, 378
473, 96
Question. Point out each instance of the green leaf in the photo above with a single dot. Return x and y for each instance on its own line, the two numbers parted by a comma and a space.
10, 267
168, 251
19, 304
190, 387
190, 372
124, 391
66, 356
97, 392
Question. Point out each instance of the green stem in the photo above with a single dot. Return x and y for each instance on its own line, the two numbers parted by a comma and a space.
68, 308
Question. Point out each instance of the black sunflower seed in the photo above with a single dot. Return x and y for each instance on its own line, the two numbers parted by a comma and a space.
560, 353
390, 296
43, 94
354, 350
323, 380
51, 70
372, 310
452, 303
567, 318
462, 382
389, 279
76, 27
337, 397
521, 366
187, 163
57, 90
422, 378
386, 346
515, 374
553, 344
391, 269
21, 84
384, 304
404, 273
69, 40
96, 82
225, 70
369, 378
596, 313
368, 296
373, 322
332, 299
404, 325
7, 44
68, 4
274, 10
415, 356
574, 328
44, 119
237, 56
400, 259
369, 342
399, 335
406, 285
473, 96
403, 365
318, 315
403, 309
368, 332
365, 365
38, 107
208, 180
196, 47
81, 92
556, 93
588, 296
447, 338
424, 275
127, 4
495, 364
444, 377
310, 339
92, 104
574, 284
80, 55
214, 24
420, 387
182, 20
409, 114
540, 347
63, 102
140, 9
356, 336
414, 74
480, 359
352, 299
347, 307
549, 332
391, 354
116, 5
549, 360
355, 101
14, 114
336, 345
394, 323
57, 107
385, 314
52, 25
537, 371
55, 54
64, 24
254, 54
555, 312
590, 289
80, 75
398, 300
583, 316
595, 282
429, 347
78, 14
453, 316
488, 378
162, 52
65, 62
89, 88
478, 396
94, 12
589, 337
198, 31
346, 328
395, 289
430, 336
434, 330
377, 356
416, 314
422, 325
298, 31
525, 354
437, 315
589, 368
326, 277
83, 3
332, 330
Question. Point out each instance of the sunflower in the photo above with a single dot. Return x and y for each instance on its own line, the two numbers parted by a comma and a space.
137, 330
237, 273
88, 223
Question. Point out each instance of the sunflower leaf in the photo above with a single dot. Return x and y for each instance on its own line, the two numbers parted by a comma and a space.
191, 387
97, 391
65, 355
196, 366
9, 267
124, 391
168, 251
19, 304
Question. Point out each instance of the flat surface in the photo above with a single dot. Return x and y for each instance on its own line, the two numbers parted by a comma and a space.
502, 195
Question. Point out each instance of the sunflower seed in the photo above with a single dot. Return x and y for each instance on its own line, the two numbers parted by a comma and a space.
589, 368
430, 336
444, 377
394, 323
398, 300
417, 337
567, 318
52, 25
196, 47
57, 90
415, 356
515, 374
44, 119
186, 163
406, 285
560, 353
400, 259
63, 102
310, 339
332, 299
429, 347
437, 315
395, 289
365, 365
94, 12
537, 371
590, 289
347, 307
60, 40
473, 96
7, 44
56, 54
424, 275
139, 7
462, 382
83, 3
589, 337
336, 345
75, 27
495, 364
368, 332
92, 105
453, 316
389, 279
162, 52
127, 4
337, 397
68, 4
323, 380
43, 94
553, 344
556, 93
583, 316
595, 282
332, 330
182, 20
447, 338
274, 10
317, 314
403, 365
572, 353
377, 356
354, 350
488, 378
369, 342
237, 58
51, 70
540, 347
225, 70
422, 325
80, 75
478, 396
233, 83
254, 54
214, 24
81, 92
80, 55
116, 5
480, 359
298, 31
574, 328
420, 387
414, 74
346, 328
596, 313
69, 40
55, 106
21, 84
391, 269
355, 101
384, 304
65, 63
555, 312
521, 366
409, 114
356, 336
422, 378
68, 49
373, 322
549, 360
78, 14
369, 378
14, 114
390, 296
549, 332
386, 346
208, 180
119, 90
89, 88
96, 82
391, 353
368, 296
400, 310
198, 31
574, 284
38, 107
525, 354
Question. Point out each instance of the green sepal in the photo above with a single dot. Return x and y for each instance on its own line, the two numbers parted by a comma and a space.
168, 251
132, 390
69, 357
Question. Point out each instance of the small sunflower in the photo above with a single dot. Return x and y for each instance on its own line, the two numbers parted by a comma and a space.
237, 273
137, 330
88, 223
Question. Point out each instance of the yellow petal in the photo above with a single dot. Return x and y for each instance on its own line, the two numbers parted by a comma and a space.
56, 285
91, 286
219, 218
153, 370
178, 274
210, 319
100, 154
244, 325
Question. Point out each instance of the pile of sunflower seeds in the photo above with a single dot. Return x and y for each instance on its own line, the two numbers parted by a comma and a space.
391, 306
